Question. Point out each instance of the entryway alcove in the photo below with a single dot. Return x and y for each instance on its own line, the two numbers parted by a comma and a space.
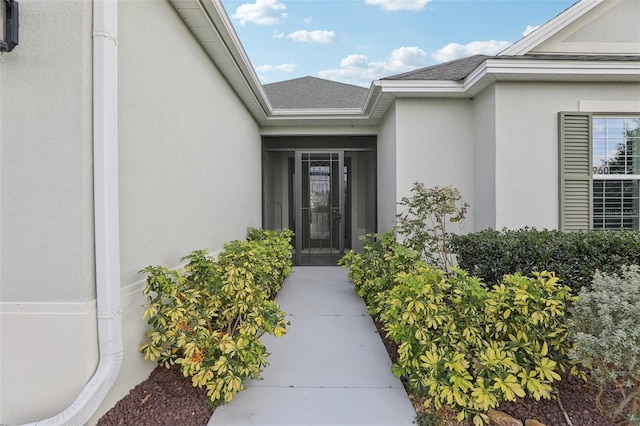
324, 189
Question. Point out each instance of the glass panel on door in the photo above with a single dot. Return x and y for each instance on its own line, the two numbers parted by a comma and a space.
319, 224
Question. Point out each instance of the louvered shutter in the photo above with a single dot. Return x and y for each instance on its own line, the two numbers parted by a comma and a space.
576, 183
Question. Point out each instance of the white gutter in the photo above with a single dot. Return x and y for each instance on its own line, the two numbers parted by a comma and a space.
107, 244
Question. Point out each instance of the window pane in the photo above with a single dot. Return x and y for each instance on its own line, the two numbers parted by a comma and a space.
599, 127
615, 204
616, 146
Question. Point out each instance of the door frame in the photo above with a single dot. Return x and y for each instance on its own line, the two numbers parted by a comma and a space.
279, 189
299, 205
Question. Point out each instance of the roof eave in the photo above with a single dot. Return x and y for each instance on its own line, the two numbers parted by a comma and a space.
211, 26
551, 28
542, 70
383, 92
317, 112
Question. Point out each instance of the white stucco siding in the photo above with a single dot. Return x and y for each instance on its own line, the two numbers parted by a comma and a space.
49, 353
527, 145
386, 179
484, 180
604, 30
47, 282
435, 146
189, 151
190, 161
46, 220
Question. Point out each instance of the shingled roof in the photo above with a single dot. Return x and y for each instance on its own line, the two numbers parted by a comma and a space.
314, 93
453, 70
317, 93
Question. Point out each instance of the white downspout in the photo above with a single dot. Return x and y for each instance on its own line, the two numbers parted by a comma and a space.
106, 211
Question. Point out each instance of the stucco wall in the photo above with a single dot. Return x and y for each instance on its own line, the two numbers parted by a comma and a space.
189, 179
484, 176
190, 160
47, 245
47, 312
435, 146
527, 145
604, 30
387, 171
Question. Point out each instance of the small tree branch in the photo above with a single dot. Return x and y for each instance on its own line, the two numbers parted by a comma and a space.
566, 416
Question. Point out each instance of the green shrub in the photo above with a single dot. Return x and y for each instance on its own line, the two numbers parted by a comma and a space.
208, 318
266, 253
422, 226
428, 418
573, 256
606, 328
374, 269
471, 346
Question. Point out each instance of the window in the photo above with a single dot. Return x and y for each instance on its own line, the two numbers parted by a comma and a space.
599, 171
616, 172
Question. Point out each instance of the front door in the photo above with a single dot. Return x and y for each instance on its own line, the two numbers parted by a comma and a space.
319, 199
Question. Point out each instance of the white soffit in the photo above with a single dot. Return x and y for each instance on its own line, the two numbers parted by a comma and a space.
551, 28
209, 23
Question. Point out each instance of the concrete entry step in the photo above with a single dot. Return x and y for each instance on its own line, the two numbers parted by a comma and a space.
331, 368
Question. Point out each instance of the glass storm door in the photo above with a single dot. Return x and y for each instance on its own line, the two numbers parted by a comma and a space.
320, 190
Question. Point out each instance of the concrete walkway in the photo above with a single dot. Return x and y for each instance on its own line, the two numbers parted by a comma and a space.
331, 368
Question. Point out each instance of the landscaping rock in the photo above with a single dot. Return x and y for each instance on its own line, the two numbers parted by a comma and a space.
499, 418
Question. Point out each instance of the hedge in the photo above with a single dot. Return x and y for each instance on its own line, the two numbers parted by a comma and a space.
573, 256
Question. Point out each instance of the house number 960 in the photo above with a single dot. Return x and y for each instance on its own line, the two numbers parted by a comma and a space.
603, 170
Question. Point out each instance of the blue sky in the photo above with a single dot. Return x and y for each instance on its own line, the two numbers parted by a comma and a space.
357, 41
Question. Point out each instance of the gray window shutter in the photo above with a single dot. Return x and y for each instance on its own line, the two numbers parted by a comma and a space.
576, 183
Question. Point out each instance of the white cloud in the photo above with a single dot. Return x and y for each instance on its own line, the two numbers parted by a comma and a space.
316, 36
455, 51
308, 20
359, 70
282, 67
413, 5
405, 58
278, 34
529, 30
262, 12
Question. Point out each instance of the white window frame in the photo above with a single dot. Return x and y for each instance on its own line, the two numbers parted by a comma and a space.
601, 224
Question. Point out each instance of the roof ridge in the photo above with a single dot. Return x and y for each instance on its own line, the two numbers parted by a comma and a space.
323, 80
314, 93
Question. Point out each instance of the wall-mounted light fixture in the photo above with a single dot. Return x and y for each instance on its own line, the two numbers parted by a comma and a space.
11, 25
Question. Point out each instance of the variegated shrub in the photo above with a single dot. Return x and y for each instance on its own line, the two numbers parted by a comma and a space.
470, 346
208, 318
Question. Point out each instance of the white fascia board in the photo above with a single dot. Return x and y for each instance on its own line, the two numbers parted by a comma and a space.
565, 67
367, 130
237, 52
318, 112
492, 69
373, 97
296, 115
421, 86
551, 28
221, 28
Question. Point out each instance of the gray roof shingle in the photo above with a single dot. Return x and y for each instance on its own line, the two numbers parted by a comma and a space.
317, 93
314, 93
453, 70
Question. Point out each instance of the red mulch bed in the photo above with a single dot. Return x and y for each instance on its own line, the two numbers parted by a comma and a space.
167, 398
